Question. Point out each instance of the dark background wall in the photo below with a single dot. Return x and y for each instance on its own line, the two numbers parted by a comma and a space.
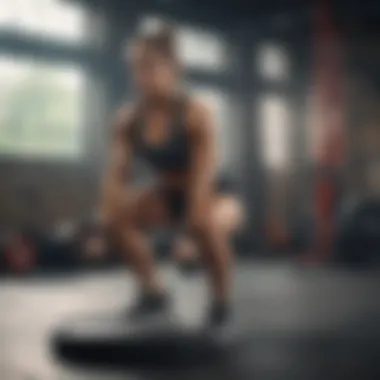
43, 191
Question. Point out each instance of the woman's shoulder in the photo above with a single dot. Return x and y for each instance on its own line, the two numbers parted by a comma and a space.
197, 104
198, 112
123, 117
197, 107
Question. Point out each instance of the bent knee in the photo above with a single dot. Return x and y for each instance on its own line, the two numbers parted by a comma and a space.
229, 215
201, 225
122, 231
120, 220
184, 248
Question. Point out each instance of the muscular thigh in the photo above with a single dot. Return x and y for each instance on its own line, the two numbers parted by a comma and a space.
149, 209
227, 214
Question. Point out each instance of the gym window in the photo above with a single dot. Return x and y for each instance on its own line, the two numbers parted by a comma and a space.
53, 19
40, 109
201, 49
274, 132
272, 62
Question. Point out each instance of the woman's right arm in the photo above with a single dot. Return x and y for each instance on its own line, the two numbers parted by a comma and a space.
115, 183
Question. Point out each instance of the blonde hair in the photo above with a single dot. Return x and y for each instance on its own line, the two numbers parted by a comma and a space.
161, 39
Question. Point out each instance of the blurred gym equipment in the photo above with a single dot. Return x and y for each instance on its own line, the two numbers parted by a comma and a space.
358, 240
161, 343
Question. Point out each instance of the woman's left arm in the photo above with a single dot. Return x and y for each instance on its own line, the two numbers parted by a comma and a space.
204, 162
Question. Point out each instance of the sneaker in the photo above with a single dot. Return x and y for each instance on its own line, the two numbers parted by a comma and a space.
149, 305
219, 314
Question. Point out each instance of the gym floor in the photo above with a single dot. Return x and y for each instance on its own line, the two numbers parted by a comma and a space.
300, 323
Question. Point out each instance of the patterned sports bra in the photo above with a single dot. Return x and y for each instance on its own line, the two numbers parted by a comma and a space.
174, 153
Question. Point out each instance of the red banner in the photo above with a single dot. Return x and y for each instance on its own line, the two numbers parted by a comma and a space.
330, 111
330, 89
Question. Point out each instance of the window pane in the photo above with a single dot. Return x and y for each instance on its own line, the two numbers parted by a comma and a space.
45, 18
149, 24
40, 109
272, 62
274, 131
201, 49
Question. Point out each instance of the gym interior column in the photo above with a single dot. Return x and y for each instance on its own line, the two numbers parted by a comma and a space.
95, 90
252, 165
299, 203
119, 27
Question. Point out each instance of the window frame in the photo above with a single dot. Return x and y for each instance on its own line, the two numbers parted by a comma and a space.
19, 155
48, 36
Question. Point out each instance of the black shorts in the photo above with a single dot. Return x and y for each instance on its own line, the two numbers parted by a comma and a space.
177, 200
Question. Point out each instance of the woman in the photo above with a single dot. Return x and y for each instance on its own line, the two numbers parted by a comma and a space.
175, 134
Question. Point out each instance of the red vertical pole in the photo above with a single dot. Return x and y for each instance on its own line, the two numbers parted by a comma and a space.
329, 84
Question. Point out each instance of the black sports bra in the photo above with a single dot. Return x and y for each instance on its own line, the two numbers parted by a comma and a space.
173, 154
